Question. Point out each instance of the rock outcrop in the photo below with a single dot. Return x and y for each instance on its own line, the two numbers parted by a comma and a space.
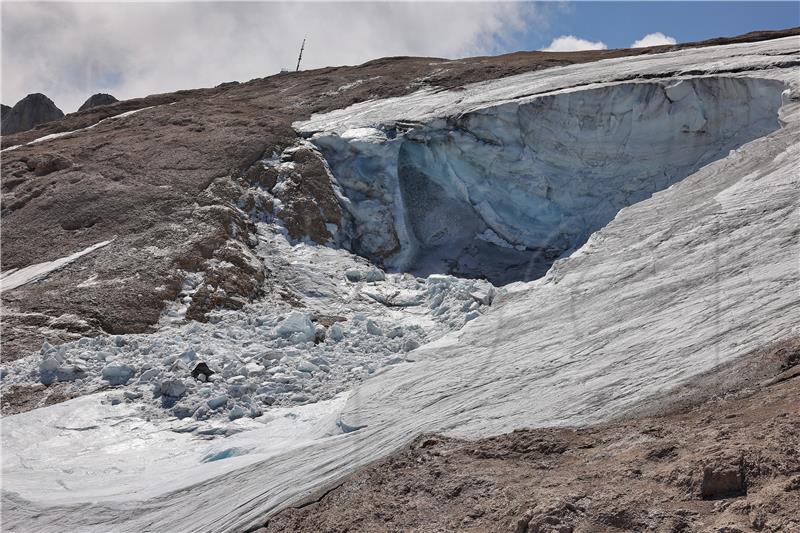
96, 100
29, 112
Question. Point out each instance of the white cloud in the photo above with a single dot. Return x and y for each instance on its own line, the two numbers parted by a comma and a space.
570, 43
653, 39
69, 51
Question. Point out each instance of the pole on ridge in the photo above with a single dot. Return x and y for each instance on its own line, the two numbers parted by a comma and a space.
302, 46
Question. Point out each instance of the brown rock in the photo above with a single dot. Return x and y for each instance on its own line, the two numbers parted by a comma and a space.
723, 480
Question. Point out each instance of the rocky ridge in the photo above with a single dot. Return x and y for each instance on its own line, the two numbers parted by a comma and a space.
97, 100
31, 111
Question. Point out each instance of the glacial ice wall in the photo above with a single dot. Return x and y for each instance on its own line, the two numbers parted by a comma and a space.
502, 191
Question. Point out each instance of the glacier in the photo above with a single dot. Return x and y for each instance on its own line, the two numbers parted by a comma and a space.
692, 263
539, 175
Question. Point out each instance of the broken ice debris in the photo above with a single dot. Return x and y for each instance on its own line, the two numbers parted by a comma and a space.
118, 373
297, 325
174, 388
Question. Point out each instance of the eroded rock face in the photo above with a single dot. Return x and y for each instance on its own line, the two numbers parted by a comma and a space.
29, 112
97, 100
296, 187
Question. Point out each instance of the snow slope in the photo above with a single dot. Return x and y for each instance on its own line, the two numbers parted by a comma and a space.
700, 273
17, 277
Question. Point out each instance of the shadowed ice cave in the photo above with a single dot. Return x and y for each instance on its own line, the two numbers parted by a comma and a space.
502, 192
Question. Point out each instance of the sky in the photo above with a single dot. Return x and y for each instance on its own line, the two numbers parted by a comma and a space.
69, 51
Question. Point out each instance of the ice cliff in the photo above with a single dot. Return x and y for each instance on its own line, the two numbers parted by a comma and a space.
503, 190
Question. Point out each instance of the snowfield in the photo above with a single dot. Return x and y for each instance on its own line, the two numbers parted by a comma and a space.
694, 265
17, 277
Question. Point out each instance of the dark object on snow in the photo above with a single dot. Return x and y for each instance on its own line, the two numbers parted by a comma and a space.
29, 112
96, 100
201, 369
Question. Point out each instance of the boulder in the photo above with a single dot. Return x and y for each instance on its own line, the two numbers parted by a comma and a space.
409, 345
353, 275
373, 328
70, 373
49, 364
51, 370
336, 332
723, 480
118, 373
319, 334
374, 275
236, 412
484, 297
183, 411
47, 163
297, 325
149, 375
174, 388
217, 402
308, 367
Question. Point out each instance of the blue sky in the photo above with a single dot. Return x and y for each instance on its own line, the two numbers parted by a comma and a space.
70, 50
618, 24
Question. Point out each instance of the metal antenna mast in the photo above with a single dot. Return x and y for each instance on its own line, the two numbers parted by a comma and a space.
302, 47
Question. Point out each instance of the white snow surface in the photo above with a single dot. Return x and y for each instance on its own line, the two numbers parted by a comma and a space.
698, 274
17, 277
748, 59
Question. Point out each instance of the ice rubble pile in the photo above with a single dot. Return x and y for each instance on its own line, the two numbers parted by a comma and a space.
503, 190
244, 361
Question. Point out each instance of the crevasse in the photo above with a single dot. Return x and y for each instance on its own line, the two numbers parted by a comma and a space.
502, 191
